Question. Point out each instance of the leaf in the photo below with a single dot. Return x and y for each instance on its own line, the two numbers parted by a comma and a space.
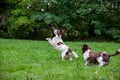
23, 20
38, 16
114, 32
98, 32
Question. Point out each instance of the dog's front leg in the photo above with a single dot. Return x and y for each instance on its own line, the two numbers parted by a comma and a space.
50, 40
75, 54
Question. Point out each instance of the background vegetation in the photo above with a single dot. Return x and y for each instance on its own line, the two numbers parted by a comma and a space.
34, 19
34, 60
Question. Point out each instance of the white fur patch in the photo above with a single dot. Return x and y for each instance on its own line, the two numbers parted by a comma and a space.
86, 54
100, 60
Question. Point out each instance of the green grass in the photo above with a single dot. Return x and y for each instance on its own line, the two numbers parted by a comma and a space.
38, 60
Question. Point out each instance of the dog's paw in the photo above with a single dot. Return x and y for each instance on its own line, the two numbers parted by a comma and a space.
100, 66
76, 56
86, 64
70, 59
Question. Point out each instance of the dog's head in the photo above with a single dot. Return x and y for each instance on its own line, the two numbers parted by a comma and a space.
85, 47
59, 32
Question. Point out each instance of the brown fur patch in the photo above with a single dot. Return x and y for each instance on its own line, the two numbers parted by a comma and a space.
93, 56
106, 58
59, 43
59, 32
68, 52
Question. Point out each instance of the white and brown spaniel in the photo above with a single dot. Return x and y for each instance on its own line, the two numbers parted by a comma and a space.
100, 57
58, 44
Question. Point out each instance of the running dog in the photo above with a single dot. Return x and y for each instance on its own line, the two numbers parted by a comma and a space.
100, 57
58, 44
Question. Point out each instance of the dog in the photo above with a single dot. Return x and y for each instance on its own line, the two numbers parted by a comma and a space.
102, 58
58, 44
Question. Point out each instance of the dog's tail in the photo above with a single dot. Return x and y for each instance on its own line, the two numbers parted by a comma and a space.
116, 53
74, 54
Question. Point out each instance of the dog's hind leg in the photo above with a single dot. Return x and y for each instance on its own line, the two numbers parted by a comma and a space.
75, 54
101, 62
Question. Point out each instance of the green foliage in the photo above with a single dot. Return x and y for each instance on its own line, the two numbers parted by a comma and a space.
22, 20
115, 33
99, 27
82, 17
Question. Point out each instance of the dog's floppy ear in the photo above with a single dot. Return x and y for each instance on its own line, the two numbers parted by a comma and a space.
85, 47
59, 32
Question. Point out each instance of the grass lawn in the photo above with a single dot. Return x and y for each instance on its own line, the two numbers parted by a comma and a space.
38, 60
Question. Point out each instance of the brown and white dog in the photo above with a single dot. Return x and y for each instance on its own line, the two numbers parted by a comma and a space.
58, 44
100, 57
